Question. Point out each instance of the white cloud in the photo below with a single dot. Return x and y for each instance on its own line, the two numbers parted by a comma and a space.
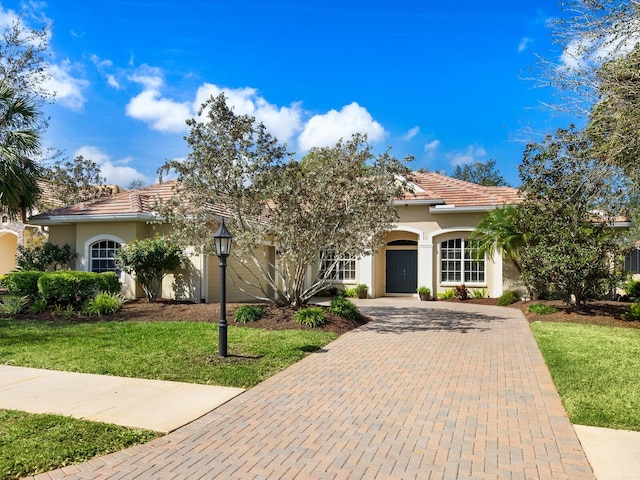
524, 43
471, 154
282, 122
113, 82
431, 147
115, 172
68, 89
411, 133
325, 130
581, 51
160, 113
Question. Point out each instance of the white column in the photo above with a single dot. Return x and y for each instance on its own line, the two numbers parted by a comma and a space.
497, 275
366, 273
425, 264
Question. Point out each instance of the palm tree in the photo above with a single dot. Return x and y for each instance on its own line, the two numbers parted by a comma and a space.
19, 143
498, 231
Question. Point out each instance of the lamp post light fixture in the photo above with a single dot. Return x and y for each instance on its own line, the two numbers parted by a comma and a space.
222, 239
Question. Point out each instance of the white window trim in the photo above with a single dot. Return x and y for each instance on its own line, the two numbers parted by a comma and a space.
341, 260
462, 271
86, 260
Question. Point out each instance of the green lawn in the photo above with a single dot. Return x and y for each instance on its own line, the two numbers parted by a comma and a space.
179, 351
596, 371
31, 444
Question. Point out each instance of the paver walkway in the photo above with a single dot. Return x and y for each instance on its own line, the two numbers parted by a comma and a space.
429, 390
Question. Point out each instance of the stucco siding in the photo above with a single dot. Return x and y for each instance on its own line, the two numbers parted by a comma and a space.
9, 249
235, 273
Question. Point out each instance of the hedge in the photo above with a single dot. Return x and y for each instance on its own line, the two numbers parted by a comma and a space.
61, 287
22, 283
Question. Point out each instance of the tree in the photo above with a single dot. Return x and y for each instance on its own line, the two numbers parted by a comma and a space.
135, 185
74, 181
19, 144
24, 53
23, 74
591, 33
44, 257
148, 260
570, 205
336, 198
614, 125
482, 173
497, 231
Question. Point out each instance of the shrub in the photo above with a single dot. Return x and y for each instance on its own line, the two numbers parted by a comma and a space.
461, 292
541, 309
23, 283
39, 305
109, 282
68, 311
424, 290
73, 287
349, 292
45, 256
105, 303
634, 312
13, 305
343, 307
311, 317
479, 293
248, 314
632, 288
507, 298
447, 294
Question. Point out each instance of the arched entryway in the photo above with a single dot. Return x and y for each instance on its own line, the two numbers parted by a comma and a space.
8, 249
401, 266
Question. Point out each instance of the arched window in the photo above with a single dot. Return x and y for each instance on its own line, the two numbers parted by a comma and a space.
102, 256
459, 262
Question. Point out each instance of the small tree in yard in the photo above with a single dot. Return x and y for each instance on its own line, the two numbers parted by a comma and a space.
148, 261
336, 198
567, 216
44, 257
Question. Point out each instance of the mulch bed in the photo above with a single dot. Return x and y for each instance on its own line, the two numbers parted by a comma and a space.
273, 318
608, 313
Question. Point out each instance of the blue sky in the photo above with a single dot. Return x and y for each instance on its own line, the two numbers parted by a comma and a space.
442, 81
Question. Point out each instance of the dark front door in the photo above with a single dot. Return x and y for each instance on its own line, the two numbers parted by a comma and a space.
402, 271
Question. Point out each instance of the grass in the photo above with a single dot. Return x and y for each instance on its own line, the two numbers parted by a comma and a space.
178, 351
31, 444
596, 370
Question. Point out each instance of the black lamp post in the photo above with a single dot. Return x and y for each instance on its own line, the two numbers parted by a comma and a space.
222, 240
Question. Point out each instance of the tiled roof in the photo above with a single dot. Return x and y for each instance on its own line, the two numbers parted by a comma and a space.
453, 192
139, 203
128, 202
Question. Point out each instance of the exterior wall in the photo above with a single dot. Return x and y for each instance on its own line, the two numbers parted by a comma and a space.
12, 234
235, 273
9, 249
416, 223
61, 234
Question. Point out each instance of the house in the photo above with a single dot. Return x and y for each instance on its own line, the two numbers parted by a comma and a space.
428, 247
14, 233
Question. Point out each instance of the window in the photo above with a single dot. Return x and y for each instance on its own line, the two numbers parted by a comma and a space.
343, 270
458, 262
632, 262
102, 256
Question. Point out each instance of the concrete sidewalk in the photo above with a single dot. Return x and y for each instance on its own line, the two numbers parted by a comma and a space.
130, 402
428, 390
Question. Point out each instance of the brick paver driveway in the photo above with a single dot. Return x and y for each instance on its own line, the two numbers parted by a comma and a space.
427, 390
